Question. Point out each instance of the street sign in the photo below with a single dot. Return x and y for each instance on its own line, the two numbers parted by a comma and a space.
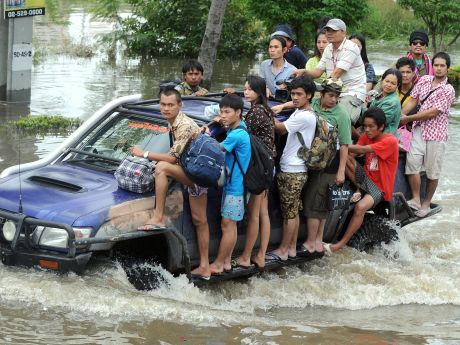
22, 57
23, 8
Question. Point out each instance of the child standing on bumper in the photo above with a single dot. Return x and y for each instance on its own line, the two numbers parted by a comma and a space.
233, 198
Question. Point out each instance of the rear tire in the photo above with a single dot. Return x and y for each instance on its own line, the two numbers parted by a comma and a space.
374, 230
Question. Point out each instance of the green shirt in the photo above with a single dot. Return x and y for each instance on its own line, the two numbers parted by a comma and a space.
391, 106
336, 117
311, 64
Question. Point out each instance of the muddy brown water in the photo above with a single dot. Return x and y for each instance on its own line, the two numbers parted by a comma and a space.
405, 293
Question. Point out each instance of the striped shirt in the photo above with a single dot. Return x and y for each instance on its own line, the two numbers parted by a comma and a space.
436, 128
348, 58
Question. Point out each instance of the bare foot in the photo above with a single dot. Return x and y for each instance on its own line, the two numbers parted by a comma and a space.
282, 255
319, 246
202, 271
335, 247
310, 248
240, 261
160, 222
259, 261
216, 269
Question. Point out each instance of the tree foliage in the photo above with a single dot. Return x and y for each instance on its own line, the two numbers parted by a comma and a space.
176, 27
302, 14
440, 17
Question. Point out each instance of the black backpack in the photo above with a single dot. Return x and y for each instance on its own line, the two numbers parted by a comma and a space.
259, 175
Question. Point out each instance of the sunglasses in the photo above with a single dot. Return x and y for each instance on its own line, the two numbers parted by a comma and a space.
419, 43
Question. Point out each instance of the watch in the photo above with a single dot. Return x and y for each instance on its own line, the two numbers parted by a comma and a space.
146, 154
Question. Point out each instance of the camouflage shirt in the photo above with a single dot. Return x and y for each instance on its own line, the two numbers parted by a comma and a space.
186, 90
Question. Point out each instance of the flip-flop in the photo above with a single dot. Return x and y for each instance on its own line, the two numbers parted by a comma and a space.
303, 251
413, 205
327, 249
151, 227
236, 264
200, 277
356, 197
292, 257
270, 256
423, 212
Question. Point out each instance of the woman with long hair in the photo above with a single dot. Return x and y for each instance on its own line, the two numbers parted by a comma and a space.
320, 43
371, 79
260, 122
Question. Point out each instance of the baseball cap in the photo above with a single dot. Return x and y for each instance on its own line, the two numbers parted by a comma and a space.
336, 24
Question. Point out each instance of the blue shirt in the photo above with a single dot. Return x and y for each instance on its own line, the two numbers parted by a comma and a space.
270, 77
239, 141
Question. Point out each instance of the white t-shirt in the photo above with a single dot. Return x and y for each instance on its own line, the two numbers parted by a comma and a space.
303, 121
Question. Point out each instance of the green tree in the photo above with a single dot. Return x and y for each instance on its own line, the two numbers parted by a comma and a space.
440, 16
302, 14
176, 28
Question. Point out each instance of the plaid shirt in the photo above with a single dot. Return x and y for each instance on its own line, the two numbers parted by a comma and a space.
183, 130
434, 129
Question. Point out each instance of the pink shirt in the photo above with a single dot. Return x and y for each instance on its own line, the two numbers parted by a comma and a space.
435, 128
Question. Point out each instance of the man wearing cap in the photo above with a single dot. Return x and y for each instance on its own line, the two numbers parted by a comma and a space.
342, 59
418, 41
315, 196
295, 56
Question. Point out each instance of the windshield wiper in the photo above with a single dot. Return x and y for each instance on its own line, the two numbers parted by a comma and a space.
95, 157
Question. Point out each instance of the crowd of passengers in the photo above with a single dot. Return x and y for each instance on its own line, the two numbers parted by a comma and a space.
339, 84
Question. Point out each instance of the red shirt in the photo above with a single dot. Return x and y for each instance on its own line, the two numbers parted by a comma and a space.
381, 164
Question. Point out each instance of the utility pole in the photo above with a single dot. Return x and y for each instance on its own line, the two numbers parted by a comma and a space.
16, 27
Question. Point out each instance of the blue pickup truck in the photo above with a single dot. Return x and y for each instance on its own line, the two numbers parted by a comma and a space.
66, 211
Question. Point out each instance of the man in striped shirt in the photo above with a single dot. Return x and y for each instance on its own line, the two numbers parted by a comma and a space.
342, 59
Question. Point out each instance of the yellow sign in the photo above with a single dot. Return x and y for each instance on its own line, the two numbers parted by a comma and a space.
24, 8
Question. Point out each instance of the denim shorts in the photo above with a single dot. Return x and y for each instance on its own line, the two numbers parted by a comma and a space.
232, 207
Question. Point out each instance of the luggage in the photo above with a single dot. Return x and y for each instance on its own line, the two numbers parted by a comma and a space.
203, 161
136, 174
259, 175
323, 146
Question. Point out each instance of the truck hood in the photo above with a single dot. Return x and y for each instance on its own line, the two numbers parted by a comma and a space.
62, 193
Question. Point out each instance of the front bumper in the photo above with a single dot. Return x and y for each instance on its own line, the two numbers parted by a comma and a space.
21, 251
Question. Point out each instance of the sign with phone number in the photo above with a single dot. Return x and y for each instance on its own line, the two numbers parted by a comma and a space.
24, 8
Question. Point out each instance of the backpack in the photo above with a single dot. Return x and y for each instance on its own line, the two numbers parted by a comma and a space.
259, 175
323, 146
203, 161
135, 174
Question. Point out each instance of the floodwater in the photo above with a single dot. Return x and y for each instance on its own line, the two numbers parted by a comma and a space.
405, 293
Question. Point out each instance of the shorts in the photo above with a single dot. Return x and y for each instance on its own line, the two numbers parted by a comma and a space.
366, 185
232, 207
290, 187
315, 198
425, 155
352, 106
197, 191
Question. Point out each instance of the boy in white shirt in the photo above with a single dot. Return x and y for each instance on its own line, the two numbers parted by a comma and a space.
293, 175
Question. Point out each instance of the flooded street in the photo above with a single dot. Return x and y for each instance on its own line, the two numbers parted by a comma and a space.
405, 293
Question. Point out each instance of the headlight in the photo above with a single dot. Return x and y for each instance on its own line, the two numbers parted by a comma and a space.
56, 237
9, 229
